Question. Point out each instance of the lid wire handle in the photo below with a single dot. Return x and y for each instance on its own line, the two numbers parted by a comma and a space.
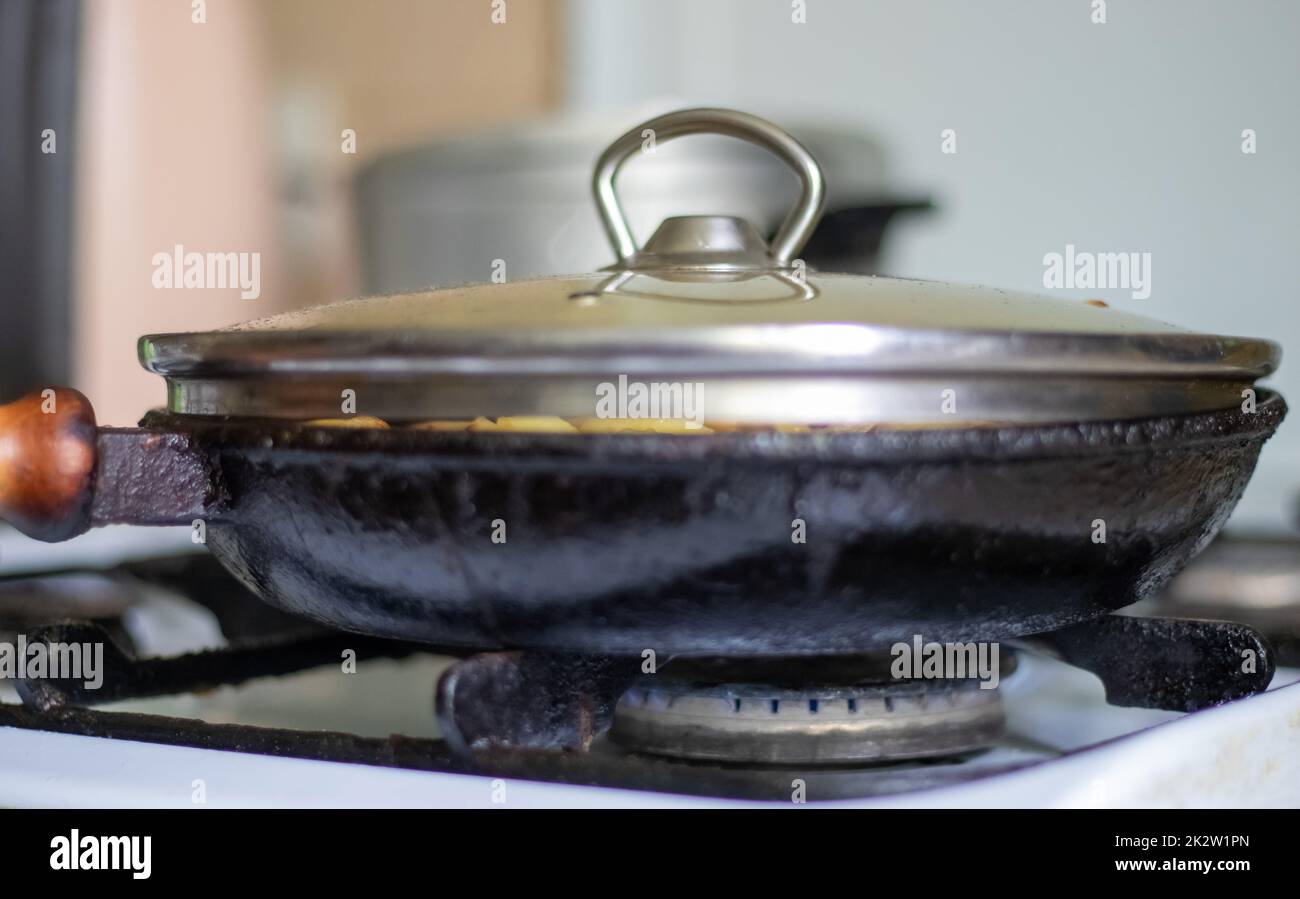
799, 222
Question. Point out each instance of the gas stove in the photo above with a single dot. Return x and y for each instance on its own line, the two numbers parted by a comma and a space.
209, 697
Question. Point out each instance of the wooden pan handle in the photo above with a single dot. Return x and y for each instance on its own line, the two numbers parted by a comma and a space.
47, 463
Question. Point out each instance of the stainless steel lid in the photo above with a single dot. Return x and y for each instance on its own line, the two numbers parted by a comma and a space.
708, 309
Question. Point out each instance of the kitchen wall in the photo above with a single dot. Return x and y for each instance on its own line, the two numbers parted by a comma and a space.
219, 126
393, 73
1122, 136
172, 148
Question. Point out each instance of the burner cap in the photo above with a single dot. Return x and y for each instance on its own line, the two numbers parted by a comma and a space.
756, 723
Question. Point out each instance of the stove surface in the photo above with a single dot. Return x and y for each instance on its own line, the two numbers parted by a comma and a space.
1077, 752
1063, 745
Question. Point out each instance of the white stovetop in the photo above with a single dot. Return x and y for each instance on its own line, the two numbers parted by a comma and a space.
1241, 754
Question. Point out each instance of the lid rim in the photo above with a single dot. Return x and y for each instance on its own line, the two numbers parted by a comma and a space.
831, 347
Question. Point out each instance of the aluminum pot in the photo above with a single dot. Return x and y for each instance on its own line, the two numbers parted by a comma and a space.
446, 212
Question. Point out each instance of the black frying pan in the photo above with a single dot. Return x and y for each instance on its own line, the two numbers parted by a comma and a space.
671, 543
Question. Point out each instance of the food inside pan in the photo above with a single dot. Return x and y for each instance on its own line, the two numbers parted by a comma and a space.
553, 424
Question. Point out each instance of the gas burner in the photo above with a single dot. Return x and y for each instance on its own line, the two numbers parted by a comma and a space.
821, 727
822, 710
760, 724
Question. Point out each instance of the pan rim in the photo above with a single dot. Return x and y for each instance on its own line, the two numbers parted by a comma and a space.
1177, 432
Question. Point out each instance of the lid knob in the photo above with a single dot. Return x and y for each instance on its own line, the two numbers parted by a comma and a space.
700, 232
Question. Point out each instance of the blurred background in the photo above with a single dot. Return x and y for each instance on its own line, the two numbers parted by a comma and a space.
392, 144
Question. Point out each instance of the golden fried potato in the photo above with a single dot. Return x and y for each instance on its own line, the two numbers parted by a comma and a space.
356, 421
652, 425
538, 424
441, 425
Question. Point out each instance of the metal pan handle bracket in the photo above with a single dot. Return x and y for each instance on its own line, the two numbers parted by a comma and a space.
790, 237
